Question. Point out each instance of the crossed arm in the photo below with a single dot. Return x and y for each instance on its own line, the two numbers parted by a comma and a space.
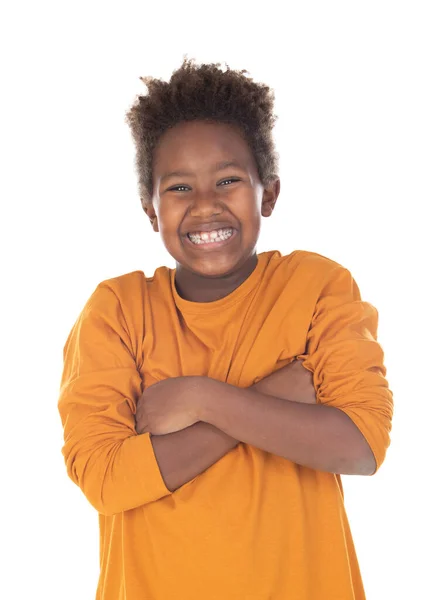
191, 422
279, 414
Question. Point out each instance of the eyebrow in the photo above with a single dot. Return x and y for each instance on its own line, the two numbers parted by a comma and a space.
218, 167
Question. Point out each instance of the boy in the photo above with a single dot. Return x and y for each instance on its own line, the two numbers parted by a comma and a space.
190, 419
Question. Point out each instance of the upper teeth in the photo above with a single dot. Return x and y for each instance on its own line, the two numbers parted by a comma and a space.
217, 235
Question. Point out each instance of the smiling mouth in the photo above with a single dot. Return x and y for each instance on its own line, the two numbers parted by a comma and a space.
206, 237
211, 240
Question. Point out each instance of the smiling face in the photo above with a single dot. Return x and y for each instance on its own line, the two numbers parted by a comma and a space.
196, 189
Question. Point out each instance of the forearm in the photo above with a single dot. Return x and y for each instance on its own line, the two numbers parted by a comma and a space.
316, 436
183, 455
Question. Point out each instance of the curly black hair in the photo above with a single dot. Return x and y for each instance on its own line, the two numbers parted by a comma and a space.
203, 92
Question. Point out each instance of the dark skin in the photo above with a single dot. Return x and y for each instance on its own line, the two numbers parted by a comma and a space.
194, 421
184, 454
233, 195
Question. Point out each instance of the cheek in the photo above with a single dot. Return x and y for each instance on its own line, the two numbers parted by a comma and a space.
252, 222
170, 217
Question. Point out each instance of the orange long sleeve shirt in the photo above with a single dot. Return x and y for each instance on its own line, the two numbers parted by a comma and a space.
254, 526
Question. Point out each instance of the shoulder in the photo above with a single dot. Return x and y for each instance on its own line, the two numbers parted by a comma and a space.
131, 290
123, 286
124, 298
307, 265
121, 304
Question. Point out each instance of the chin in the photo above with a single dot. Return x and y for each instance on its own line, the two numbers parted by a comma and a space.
211, 268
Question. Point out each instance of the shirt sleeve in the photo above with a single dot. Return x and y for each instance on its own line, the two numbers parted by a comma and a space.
114, 466
347, 361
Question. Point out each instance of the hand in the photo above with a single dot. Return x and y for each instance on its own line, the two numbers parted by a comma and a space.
169, 405
293, 382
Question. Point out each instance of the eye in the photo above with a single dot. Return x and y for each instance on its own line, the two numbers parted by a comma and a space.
177, 187
231, 179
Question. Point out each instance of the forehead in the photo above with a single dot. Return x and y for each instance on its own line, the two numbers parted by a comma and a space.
191, 145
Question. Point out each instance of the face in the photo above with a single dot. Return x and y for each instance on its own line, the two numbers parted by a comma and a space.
194, 191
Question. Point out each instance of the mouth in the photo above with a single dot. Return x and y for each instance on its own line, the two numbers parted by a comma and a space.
211, 240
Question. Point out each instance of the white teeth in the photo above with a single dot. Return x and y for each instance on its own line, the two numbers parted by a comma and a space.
205, 237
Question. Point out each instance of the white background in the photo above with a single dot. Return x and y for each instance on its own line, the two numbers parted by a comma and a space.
355, 96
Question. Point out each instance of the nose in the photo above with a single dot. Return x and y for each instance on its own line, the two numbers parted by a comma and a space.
206, 204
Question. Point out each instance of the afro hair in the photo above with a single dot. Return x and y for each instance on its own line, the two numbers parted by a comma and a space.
203, 92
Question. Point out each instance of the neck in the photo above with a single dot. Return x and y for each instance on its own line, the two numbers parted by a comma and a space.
198, 288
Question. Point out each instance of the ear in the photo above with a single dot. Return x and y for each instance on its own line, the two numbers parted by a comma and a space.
151, 214
269, 199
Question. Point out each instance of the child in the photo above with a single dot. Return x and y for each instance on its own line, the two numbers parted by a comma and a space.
190, 419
